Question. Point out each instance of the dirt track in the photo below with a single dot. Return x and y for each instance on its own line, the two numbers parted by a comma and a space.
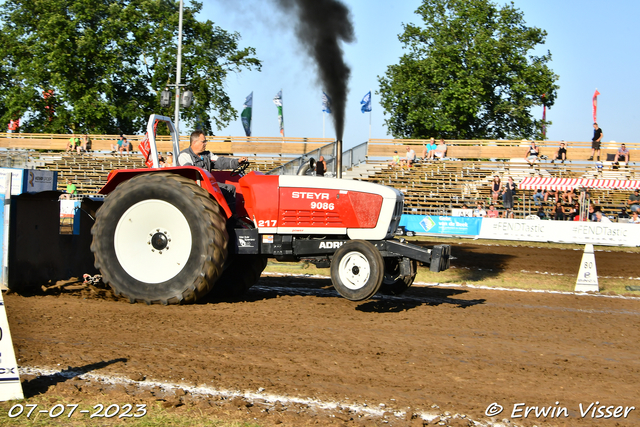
433, 350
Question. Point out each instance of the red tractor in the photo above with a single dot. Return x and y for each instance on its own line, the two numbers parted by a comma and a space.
168, 236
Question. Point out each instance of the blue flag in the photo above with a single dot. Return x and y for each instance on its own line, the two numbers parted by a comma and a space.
326, 103
366, 103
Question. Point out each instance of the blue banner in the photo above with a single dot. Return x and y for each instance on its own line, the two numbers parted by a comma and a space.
432, 224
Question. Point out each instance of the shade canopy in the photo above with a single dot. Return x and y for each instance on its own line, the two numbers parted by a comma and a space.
535, 183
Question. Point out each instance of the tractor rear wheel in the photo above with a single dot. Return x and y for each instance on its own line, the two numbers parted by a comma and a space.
393, 283
160, 238
357, 270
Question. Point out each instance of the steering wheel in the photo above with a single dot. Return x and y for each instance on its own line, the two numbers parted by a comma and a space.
240, 170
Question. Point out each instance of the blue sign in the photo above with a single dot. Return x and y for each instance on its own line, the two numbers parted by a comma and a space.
435, 224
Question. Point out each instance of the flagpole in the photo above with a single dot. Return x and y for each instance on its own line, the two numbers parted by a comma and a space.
323, 123
369, 122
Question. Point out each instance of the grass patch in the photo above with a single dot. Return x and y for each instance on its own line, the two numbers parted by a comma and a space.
156, 415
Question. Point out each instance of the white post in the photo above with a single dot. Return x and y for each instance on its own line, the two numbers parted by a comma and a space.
587, 275
323, 124
178, 76
5, 242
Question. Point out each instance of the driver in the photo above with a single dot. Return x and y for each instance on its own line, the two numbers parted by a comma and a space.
197, 155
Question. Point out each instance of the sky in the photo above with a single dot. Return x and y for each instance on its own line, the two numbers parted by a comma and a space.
594, 44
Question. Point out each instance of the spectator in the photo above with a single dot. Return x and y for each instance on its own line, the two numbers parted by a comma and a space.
115, 148
508, 191
573, 212
596, 141
479, 211
86, 144
591, 215
441, 150
169, 162
429, 150
635, 218
72, 190
538, 196
561, 154
623, 213
600, 217
568, 196
321, 166
634, 201
410, 157
558, 212
541, 213
395, 160
496, 185
532, 154
125, 145
623, 153
74, 142
493, 212
161, 161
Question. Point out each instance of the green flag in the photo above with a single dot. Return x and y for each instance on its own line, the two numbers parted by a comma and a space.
245, 116
278, 101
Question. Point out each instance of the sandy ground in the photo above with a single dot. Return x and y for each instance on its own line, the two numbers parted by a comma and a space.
433, 355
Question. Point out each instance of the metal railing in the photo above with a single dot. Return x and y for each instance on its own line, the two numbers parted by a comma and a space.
300, 166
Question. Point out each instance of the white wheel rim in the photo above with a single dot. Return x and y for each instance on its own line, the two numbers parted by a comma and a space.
354, 270
132, 241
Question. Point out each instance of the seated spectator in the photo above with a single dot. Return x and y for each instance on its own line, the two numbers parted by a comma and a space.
538, 196
493, 212
572, 212
623, 153
395, 160
410, 157
169, 161
532, 154
125, 145
561, 154
74, 142
441, 150
479, 211
558, 212
552, 193
541, 213
72, 190
429, 149
635, 218
591, 214
568, 196
600, 217
623, 213
634, 201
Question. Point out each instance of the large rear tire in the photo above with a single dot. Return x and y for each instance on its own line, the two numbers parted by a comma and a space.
160, 238
393, 283
242, 273
357, 270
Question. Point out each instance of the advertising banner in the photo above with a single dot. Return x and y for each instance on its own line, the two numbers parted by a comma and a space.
435, 224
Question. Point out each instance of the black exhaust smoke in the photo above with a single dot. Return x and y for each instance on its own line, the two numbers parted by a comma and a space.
321, 26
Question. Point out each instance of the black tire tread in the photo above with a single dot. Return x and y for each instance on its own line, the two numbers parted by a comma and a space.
215, 230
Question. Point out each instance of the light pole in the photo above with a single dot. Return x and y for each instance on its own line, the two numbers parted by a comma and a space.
178, 70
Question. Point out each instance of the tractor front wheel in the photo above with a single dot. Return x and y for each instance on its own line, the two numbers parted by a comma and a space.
160, 238
357, 270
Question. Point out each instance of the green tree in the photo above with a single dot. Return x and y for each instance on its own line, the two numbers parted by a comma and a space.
106, 62
468, 73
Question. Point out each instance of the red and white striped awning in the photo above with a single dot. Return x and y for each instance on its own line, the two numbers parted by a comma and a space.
534, 183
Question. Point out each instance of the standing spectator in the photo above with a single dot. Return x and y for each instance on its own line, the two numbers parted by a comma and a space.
561, 154
558, 212
479, 211
623, 153
496, 185
441, 150
595, 142
600, 217
532, 154
321, 166
493, 212
508, 192
634, 201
